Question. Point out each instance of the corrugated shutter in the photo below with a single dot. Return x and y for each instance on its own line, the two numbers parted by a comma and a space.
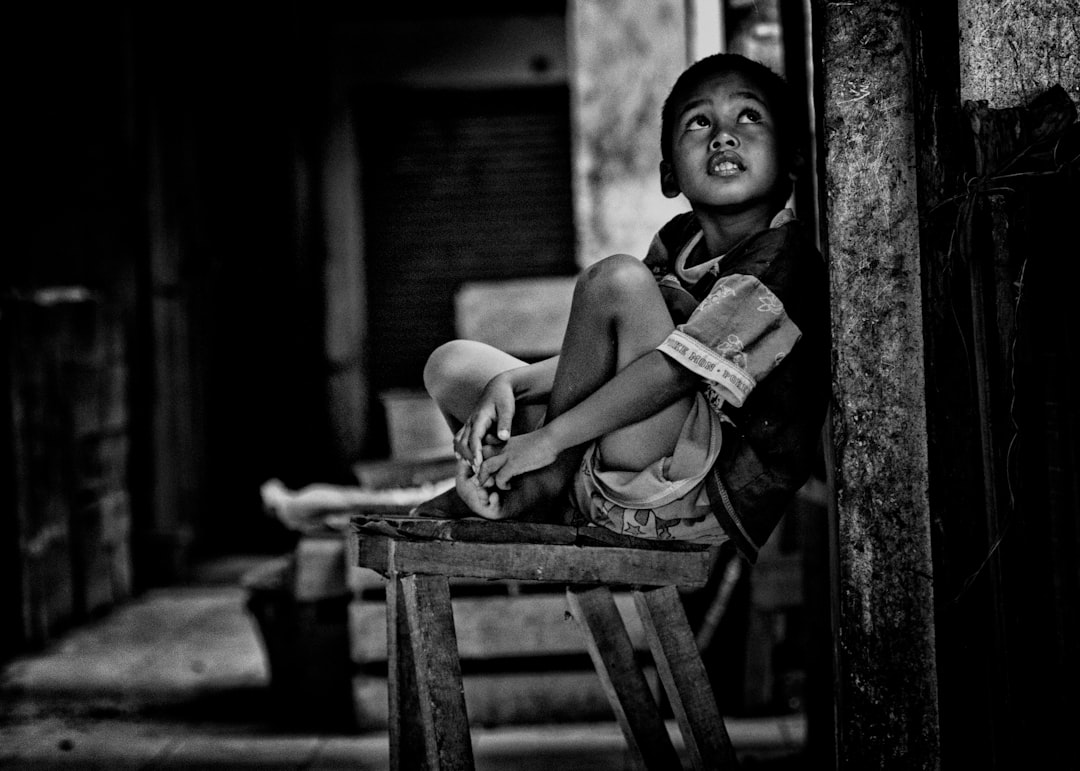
457, 187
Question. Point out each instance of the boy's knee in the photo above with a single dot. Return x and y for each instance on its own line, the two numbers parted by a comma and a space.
620, 275
441, 365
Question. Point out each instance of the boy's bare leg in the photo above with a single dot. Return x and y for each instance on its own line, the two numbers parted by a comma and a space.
617, 315
455, 376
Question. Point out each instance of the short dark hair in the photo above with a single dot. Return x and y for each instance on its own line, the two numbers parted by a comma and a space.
776, 90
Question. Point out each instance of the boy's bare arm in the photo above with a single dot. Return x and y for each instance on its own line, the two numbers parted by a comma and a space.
639, 391
530, 384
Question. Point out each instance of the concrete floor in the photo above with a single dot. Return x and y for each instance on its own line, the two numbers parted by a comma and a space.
177, 678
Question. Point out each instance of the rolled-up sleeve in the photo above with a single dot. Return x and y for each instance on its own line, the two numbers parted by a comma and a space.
735, 337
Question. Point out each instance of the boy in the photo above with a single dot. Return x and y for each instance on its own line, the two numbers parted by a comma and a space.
691, 387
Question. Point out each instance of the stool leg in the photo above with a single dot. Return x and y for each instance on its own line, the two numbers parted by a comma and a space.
623, 681
429, 727
406, 734
685, 680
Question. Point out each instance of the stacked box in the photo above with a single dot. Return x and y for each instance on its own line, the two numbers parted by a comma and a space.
306, 645
66, 458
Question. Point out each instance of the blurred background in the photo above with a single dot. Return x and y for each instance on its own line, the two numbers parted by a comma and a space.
241, 231
238, 230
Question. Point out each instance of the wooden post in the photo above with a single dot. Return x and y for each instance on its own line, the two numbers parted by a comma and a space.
684, 677
884, 612
344, 278
623, 681
429, 726
1014, 600
1010, 52
405, 730
169, 382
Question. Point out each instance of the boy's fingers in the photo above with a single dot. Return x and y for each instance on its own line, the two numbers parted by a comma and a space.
493, 473
504, 426
487, 470
461, 449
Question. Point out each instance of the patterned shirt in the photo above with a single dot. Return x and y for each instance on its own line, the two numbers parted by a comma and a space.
754, 325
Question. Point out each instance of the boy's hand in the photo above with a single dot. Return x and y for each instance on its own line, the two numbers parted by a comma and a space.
494, 410
520, 454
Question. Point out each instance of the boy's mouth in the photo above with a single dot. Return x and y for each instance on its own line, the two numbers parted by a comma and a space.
725, 164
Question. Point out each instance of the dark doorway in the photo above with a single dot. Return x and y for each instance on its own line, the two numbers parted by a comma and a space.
458, 186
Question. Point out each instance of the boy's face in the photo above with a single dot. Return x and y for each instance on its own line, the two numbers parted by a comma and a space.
725, 154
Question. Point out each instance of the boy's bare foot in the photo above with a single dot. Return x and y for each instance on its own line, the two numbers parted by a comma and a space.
535, 498
481, 501
445, 505
465, 499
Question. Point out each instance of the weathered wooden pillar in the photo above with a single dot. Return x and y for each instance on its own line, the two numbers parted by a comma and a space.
623, 59
1009, 52
345, 323
884, 614
1011, 625
170, 387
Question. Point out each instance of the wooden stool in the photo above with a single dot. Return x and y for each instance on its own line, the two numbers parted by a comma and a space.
427, 716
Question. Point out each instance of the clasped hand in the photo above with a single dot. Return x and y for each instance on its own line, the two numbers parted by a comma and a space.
484, 441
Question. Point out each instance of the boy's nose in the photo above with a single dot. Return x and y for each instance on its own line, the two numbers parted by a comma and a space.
723, 138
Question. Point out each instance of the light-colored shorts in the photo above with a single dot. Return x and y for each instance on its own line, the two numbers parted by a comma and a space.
668, 499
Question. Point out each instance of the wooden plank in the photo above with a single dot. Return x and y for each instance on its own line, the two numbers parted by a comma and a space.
494, 627
370, 551
546, 563
509, 698
622, 678
472, 530
437, 673
595, 535
478, 530
684, 677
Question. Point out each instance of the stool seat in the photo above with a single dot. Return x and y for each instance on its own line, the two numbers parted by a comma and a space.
428, 721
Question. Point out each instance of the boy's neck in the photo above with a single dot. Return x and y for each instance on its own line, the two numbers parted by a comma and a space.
725, 231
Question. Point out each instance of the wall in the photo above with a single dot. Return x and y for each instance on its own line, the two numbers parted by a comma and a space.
623, 59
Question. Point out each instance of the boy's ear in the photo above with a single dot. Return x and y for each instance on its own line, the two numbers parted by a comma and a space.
668, 184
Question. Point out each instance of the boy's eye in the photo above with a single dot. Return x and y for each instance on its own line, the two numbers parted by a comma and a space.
750, 115
697, 122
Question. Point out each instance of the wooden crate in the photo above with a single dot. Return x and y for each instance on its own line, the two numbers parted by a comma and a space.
65, 457
306, 646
